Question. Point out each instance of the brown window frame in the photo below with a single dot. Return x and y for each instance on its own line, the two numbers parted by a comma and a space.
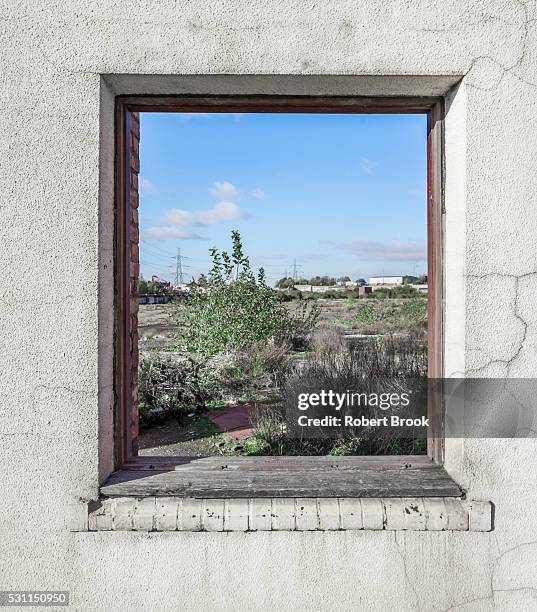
126, 243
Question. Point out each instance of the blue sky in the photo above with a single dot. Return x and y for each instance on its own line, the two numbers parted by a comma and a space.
343, 195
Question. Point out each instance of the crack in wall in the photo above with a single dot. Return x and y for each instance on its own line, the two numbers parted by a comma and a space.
192, 25
405, 572
469, 601
506, 69
470, 24
495, 563
508, 362
494, 590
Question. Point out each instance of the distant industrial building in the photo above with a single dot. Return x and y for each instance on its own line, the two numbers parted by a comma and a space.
421, 288
318, 288
391, 281
332, 288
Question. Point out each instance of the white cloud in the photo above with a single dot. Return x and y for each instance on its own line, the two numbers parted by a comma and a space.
145, 186
259, 194
163, 233
222, 211
224, 189
368, 165
386, 251
176, 216
175, 222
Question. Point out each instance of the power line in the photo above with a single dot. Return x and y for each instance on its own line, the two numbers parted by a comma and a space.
157, 249
179, 278
158, 259
151, 258
151, 265
145, 254
295, 270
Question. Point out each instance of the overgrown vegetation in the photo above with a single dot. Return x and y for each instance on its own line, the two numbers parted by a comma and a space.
237, 309
238, 341
401, 291
169, 385
385, 366
392, 316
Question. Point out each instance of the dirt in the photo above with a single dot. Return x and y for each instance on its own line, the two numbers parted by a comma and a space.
172, 439
199, 436
156, 325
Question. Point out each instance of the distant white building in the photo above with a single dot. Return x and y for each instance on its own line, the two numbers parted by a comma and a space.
318, 288
391, 281
421, 288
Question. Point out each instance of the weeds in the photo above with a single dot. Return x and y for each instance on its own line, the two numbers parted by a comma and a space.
327, 338
385, 366
391, 316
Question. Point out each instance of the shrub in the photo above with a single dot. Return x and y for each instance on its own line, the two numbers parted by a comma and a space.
369, 363
401, 291
386, 316
238, 309
289, 295
415, 310
381, 366
270, 437
168, 383
368, 314
262, 358
244, 374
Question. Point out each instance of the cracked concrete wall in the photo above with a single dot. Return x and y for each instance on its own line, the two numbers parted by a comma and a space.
56, 195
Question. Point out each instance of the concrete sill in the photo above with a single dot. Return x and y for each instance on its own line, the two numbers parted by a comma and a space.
290, 514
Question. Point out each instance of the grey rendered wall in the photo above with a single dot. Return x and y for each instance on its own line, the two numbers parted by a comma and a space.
60, 66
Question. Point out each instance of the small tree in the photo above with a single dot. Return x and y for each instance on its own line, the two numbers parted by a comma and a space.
285, 282
323, 281
238, 308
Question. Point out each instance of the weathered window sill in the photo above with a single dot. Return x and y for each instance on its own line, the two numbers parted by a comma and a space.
288, 494
290, 514
249, 477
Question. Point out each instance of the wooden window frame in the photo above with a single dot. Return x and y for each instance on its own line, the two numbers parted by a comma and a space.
126, 198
